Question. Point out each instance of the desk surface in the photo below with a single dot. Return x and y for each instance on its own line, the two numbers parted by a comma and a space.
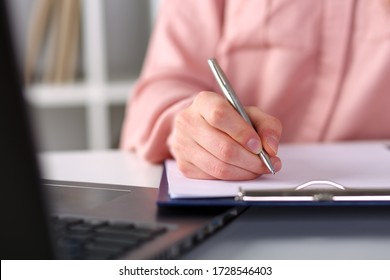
269, 233
109, 166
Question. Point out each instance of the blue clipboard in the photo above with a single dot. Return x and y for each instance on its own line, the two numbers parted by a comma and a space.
288, 197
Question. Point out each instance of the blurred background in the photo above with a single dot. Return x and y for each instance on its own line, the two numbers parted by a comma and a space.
79, 61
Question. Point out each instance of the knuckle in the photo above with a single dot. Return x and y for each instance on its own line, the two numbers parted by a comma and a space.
273, 124
177, 146
225, 151
200, 97
220, 171
244, 133
217, 115
276, 123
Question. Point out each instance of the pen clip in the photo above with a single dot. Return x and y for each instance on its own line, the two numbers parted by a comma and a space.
217, 71
224, 84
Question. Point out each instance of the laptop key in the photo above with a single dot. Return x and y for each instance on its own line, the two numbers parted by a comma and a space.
149, 231
125, 243
120, 226
99, 239
78, 236
61, 224
69, 248
82, 228
98, 249
106, 233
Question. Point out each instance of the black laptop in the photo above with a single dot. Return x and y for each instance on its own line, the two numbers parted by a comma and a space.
75, 220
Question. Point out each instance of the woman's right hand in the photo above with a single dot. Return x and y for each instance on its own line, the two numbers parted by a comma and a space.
210, 140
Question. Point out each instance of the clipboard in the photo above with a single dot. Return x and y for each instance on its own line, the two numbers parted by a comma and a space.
308, 193
285, 197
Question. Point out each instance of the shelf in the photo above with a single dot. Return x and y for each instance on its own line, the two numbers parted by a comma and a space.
78, 94
113, 42
95, 97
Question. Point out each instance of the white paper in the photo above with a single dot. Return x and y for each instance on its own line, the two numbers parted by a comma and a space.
352, 165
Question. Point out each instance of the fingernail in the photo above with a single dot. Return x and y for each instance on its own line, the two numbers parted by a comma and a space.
254, 145
273, 143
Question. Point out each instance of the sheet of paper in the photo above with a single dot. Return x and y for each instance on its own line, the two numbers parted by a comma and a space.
352, 165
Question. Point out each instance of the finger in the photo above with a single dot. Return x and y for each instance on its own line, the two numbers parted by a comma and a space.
191, 171
268, 127
181, 145
223, 147
219, 169
218, 143
186, 150
220, 114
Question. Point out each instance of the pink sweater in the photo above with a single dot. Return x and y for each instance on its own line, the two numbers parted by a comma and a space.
321, 67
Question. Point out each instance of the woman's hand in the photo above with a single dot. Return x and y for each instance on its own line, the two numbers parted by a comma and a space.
210, 140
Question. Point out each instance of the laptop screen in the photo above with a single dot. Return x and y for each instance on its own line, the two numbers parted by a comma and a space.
21, 198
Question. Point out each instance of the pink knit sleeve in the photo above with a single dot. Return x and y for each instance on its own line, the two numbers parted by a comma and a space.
175, 69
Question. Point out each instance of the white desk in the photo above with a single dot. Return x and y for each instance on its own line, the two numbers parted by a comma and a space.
109, 166
260, 233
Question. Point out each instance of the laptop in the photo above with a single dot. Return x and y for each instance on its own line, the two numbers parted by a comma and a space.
75, 220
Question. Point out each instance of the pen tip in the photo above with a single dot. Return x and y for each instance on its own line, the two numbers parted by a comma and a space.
264, 156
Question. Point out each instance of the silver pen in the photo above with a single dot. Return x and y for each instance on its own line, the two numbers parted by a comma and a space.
231, 96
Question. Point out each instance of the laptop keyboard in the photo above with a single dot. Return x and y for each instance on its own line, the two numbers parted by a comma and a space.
98, 239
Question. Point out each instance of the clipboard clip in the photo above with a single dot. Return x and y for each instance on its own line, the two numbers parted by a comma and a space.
322, 191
